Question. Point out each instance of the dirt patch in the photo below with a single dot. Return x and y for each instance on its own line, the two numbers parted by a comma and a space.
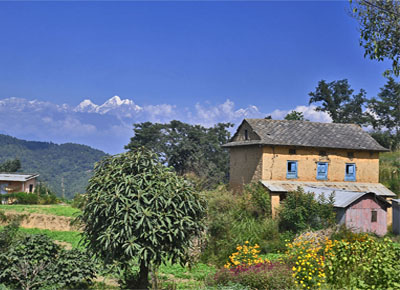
43, 221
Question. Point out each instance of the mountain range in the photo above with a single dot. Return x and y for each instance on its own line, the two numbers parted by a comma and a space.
108, 126
66, 168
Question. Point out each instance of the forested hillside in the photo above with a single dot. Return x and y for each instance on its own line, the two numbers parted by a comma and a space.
389, 173
70, 164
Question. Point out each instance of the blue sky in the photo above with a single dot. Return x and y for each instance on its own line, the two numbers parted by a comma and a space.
182, 54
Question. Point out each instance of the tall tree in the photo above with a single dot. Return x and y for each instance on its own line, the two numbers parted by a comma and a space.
10, 166
384, 111
189, 149
138, 210
294, 115
379, 22
337, 99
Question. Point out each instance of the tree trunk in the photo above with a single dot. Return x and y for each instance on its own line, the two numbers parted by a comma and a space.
141, 282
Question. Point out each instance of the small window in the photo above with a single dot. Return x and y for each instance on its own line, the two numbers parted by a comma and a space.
291, 169
322, 170
246, 135
350, 154
350, 174
322, 153
30, 188
292, 151
374, 216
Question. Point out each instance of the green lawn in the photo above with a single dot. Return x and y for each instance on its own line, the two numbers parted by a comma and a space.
69, 237
56, 209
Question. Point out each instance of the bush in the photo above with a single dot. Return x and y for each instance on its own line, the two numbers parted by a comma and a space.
265, 275
79, 201
300, 211
35, 262
234, 219
31, 198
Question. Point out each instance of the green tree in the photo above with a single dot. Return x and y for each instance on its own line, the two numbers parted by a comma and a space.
384, 111
300, 211
140, 211
189, 149
337, 99
10, 165
379, 22
294, 115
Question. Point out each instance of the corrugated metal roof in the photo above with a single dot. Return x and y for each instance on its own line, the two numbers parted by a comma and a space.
342, 198
16, 176
285, 186
309, 134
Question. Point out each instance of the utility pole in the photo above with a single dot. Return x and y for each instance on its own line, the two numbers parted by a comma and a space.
62, 187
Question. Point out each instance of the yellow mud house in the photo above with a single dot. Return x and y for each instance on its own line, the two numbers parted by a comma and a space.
284, 155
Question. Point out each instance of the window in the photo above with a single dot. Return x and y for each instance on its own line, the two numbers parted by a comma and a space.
246, 135
292, 151
350, 174
291, 169
30, 188
374, 216
322, 170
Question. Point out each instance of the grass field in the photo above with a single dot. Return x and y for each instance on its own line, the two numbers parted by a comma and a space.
69, 237
56, 209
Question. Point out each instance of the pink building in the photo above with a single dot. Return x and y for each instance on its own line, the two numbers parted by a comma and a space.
17, 182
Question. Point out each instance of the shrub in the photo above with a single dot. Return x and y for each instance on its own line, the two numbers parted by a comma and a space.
79, 201
300, 211
364, 264
236, 218
31, 198
35, 262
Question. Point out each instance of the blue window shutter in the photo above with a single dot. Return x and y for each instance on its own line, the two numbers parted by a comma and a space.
350, 174
291, 169
322, 171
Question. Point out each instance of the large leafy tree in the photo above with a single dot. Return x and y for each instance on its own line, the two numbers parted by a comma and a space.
140, 211
189, 149
337, 99
379, 22
10, 166
296, 116
384, 112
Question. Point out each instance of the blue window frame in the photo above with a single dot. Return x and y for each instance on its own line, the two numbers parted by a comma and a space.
350, 174
291, 169
322, 170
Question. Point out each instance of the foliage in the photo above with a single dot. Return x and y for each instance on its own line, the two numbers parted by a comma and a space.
139, 209
79, 201
10, 165
30, 198
8, 235
56, 209
34, 262
68, 164
379, 22
70, 237
235, 218
189, 149
389, 170
364, 264
337, 99
294, 115
301, 211
264, 275
384, 112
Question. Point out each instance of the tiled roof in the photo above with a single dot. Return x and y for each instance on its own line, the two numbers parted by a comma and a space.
309, 134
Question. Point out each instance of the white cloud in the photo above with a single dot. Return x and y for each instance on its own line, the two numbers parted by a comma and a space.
109, 126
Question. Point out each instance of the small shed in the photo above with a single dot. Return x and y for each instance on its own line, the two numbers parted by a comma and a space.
359, 211
396, 216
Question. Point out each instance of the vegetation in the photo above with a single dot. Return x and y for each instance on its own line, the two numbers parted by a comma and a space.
380, 30
58, 210
294, 115
189, 149
67, 166
301, 211
10, 165
30, 198
138, 210
389, 170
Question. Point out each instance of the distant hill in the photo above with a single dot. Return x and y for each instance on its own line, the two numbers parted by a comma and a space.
69, 163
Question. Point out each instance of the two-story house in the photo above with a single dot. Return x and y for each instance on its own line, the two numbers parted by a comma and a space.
284, 155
